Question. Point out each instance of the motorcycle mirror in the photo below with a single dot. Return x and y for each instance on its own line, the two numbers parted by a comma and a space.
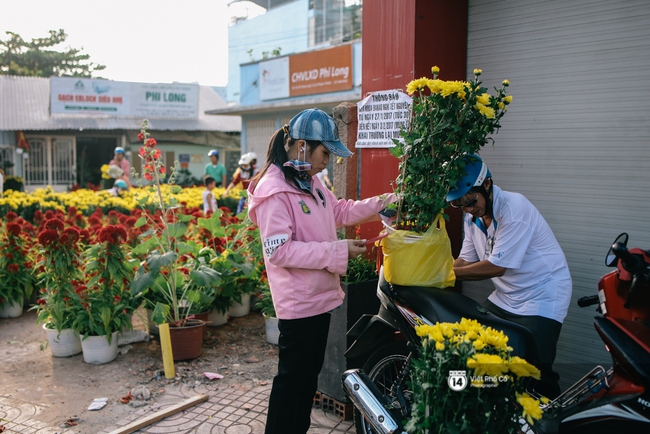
611, 258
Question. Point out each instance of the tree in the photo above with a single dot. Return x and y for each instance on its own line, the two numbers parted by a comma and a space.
37, 59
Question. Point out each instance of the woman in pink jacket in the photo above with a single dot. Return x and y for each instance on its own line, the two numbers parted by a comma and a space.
298, 217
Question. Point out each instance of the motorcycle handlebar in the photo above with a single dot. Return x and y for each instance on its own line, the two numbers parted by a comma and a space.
630, 262
588, 300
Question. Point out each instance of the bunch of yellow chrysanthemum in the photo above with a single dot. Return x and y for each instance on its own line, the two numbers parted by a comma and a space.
465, 380
449, 119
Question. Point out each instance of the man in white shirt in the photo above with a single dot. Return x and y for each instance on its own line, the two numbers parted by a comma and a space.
507, 240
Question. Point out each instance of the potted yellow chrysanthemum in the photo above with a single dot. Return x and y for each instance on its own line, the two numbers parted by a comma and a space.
449, 120
465, 380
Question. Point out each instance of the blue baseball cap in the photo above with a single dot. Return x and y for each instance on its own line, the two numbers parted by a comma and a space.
119, 150
315, 124
213, 152
120, 183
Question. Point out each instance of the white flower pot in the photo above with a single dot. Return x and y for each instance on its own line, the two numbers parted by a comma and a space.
241, 309
97, 350
63, 344
9, 309
272, 330
217, 318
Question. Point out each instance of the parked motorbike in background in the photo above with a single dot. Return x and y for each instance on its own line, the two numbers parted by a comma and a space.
604, 400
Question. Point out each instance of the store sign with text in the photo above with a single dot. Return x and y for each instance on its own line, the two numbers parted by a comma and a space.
309, 73
71, 95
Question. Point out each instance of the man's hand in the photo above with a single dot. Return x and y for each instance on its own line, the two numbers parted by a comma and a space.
477, 270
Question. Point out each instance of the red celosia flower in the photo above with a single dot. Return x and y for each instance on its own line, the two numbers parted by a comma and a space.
41, 301
11, 216
13, 268
13, 229
73, 234
117, 298
47, 237
80, 289
54, 223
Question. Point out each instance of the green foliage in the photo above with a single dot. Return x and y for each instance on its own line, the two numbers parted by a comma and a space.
450, 119
264, 302
360, 269
37, 58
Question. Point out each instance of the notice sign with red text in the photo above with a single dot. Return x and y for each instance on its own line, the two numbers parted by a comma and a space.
381, 116
321, 71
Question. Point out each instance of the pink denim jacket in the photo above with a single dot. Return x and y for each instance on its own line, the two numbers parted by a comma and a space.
303, 257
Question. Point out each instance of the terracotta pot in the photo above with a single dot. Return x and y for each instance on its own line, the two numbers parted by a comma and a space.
187, 341
63, 344
203, 316
241, 309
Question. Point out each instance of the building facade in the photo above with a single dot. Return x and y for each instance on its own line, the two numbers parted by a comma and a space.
59, 131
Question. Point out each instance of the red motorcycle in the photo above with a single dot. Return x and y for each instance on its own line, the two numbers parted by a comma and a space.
610, 400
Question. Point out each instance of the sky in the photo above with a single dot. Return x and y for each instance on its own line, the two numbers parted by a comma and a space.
148, 41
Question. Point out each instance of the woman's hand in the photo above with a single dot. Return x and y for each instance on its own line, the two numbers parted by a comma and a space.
356, 247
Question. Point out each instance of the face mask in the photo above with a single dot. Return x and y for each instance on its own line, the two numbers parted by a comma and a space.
299, 165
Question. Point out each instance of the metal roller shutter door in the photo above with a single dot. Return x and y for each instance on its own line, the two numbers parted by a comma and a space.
575, 141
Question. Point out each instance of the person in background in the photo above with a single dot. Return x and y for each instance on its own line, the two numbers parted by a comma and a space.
507, 240
214, 169
298, 218
324, 178
119, 186
2, 183
209, 201
244, 173
120, 161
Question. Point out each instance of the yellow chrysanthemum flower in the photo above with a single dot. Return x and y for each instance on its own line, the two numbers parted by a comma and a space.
478, 72
435, 71
531, 409
416, 85
505, 83
488, 112
483, 99
487, 364
522, 368
478, 345
507, 99
440, 346
494, 338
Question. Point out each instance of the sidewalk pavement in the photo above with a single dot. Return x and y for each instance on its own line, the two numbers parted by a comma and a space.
235, 410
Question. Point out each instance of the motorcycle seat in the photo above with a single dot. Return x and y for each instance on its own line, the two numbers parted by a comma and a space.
446, 305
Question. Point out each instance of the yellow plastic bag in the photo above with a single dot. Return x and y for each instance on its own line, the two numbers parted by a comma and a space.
411, 259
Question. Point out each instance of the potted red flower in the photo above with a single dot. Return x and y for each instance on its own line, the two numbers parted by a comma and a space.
103, 305
59, 269
16, 270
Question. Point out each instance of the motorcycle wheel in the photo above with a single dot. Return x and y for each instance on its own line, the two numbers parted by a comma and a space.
383, 367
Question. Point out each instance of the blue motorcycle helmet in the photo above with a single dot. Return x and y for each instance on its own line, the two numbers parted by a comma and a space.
476, 172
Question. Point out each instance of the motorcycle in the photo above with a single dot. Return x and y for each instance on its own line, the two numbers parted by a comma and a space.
614, 399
